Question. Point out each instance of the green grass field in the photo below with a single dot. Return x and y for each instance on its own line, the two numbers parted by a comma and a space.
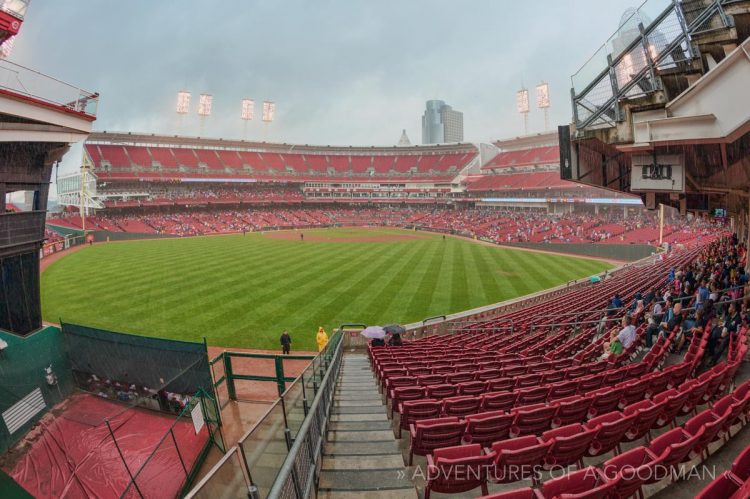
241, 291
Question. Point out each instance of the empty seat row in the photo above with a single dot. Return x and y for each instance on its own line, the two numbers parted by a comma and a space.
623, 475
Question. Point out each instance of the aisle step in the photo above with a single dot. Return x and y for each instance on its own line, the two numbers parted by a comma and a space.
361, 457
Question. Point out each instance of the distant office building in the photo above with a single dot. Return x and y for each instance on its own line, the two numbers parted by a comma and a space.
441, 124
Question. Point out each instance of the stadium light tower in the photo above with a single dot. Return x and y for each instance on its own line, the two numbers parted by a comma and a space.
183, 107
248, 109
522, 105
205, 102
269, 112
542, 101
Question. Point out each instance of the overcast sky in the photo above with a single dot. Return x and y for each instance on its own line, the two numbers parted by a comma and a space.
341, 72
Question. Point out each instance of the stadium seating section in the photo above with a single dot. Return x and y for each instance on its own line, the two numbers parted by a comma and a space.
161, 162
509, 399
491, 225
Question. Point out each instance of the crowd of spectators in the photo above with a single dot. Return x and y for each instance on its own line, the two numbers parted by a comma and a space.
498, 226
709, 296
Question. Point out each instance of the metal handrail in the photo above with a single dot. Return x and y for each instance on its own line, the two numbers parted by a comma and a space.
321, 403
578, 96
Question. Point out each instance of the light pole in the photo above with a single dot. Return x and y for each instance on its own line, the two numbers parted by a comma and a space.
248, 109
522, 105
269, 111
205, 102
182, 108
542, 101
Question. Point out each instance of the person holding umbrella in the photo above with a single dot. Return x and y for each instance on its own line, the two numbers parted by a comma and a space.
376, 334
395, 331
321, 338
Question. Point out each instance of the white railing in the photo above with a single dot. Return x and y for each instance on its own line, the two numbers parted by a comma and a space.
16, 79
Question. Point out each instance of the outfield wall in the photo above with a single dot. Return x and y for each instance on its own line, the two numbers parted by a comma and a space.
621, 252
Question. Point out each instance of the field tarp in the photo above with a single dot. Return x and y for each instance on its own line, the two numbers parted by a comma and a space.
77, 455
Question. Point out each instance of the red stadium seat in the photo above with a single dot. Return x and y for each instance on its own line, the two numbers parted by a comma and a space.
646, 414
568, 444
430, 434
672, 448
461, 406
705, 426
518, 459
500, 385
589, 483
472, 388
412, 411
403, 393
532, 420
457, 469
563, 390
571, 410
630, 470
441, 391
531, 395
605, 400
610, 429
498, 401
741, 464
487, 427
724, 486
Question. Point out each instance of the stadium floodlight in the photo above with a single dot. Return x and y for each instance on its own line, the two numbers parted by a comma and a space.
204, 104
522, 101
522, 104
269, 110
542, 95
183, 102
248, 108
542, 101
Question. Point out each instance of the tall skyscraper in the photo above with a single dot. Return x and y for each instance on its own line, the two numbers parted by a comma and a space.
441, 124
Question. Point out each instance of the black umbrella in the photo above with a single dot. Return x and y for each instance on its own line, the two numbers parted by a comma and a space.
394, 329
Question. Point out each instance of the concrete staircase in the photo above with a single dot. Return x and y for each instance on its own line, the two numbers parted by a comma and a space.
361, 457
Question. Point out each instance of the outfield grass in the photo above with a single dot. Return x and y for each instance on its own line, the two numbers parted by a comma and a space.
241, 291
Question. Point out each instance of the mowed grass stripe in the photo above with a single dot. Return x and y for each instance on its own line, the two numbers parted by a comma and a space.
241, 291
326, 306
388, 289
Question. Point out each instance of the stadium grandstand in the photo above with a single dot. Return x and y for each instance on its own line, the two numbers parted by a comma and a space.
511, 192
626, 377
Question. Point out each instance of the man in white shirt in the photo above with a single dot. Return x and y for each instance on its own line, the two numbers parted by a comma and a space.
627, 333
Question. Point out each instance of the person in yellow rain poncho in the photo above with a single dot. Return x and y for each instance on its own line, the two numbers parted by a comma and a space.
321, 338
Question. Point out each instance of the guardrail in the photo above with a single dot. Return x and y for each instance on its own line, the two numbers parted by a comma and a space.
19, 80
280, 452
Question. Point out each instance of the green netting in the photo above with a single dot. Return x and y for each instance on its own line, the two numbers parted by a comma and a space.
174, 366
22, 370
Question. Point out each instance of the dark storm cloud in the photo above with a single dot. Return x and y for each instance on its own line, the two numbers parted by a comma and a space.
341, 72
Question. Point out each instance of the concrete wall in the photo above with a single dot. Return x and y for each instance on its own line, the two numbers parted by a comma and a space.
622, 252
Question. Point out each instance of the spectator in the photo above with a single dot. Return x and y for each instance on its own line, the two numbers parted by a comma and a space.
690, 327
616, 301
627, 333
720, 337
286, 342
321, 338
395, 340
